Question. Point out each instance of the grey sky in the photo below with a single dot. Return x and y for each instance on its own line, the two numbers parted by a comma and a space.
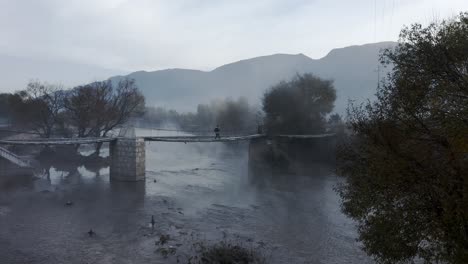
149, 34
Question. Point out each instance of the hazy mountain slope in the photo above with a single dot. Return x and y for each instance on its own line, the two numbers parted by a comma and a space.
354, 70
17, 71
172, 87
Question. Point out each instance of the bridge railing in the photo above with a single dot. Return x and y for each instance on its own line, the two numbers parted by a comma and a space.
186, 139
205, 132
189, 138
307, 136
58, 141
14, 158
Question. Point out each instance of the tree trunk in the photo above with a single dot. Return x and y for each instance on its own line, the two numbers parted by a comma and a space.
98, 148
99, 144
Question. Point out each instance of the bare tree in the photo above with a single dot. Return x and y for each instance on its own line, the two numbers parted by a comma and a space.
97, 108
86, 105
44, 104
125, 103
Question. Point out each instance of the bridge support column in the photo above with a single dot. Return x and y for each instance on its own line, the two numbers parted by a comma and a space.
127, 159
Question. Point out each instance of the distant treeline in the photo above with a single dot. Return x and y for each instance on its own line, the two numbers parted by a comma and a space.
299, 106
302, 105
232, 116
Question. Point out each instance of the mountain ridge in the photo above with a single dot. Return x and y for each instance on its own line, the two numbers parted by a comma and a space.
353, 69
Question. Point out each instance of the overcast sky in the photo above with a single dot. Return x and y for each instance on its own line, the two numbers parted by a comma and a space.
150, 34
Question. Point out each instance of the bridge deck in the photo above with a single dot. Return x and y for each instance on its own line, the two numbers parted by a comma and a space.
307, 136
183, 139
56, 141
187, 139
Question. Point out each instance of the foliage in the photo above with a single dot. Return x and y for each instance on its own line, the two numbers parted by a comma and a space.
406, 164
159, 116
5, 111
40, 106
227, 253
335, 124
8, 106
232, 116
298, 106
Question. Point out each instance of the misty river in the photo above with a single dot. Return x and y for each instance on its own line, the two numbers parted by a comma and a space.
196, 192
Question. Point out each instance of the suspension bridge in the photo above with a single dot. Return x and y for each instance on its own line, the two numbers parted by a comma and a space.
127, 153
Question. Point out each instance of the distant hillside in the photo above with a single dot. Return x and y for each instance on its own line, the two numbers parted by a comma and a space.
354, 70
18, 71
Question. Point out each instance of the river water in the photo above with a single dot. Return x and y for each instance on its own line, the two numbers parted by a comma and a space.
196, 192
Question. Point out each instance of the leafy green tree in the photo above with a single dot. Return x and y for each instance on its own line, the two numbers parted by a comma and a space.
406, 165
299, 106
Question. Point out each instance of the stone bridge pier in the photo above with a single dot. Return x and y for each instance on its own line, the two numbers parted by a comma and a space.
127, 159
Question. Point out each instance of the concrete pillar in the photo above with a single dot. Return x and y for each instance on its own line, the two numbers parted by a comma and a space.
127, 159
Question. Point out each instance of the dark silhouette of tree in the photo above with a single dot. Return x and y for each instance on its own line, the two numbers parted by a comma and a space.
158, 116
335, 118
232, 116
87, 106
8, 104
406, 166
336, 124
206, 116
5, 109
235, 117
298, 106
40, 106
97, 108
16, 108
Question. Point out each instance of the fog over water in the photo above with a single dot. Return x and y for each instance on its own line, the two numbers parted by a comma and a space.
196, 191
